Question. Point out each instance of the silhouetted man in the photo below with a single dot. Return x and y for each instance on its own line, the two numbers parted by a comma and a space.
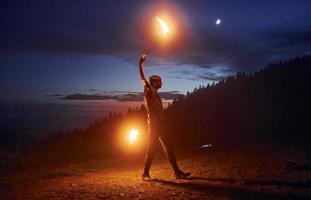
156, 128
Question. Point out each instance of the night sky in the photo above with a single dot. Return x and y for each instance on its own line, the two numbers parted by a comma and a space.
64, 47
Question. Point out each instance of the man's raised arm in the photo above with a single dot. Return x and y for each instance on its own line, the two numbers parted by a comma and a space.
141, 70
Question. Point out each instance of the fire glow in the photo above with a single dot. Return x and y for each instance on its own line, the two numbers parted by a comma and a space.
164, 26
133, 135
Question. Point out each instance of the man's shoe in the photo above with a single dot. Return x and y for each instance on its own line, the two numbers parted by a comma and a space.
146, 177
180, 174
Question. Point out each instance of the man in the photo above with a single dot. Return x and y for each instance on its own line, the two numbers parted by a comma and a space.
156, 128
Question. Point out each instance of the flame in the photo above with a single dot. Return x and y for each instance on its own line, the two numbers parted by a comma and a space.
163, 25
133, 135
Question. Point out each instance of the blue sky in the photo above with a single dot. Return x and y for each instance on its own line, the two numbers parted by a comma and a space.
65, 47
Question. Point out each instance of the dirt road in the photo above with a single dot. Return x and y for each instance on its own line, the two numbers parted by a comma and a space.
216, 174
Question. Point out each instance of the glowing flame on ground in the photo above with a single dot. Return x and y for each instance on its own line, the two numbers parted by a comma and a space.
163, 25
133, 135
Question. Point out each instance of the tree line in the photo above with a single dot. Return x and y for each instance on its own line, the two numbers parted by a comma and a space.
272, 104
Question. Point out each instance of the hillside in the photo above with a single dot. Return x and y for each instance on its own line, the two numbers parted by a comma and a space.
257, 125
271, 106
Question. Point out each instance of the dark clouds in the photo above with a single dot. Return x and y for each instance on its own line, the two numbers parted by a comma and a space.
112, 27
66, 27
290, 39
119, 96
209, 74
246, 50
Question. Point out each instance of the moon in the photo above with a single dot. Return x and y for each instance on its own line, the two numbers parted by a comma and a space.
218, 21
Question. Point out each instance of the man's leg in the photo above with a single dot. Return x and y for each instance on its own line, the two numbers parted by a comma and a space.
169, 151
151, 148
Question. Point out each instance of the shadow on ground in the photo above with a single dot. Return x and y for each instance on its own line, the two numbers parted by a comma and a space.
237, 192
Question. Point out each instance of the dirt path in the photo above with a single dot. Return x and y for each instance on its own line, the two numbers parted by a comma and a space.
216, 175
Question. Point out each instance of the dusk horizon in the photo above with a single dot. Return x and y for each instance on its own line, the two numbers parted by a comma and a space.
77, 51
155, 99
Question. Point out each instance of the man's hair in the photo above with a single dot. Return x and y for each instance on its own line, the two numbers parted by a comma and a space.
154, 78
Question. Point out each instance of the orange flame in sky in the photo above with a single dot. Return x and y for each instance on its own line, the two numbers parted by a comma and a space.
164, 26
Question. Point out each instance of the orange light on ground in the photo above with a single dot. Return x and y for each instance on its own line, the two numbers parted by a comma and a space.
133, 135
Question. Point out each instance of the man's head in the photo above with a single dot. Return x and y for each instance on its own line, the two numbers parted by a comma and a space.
155, 81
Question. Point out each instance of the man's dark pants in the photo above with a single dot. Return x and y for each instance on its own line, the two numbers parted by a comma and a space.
158, 131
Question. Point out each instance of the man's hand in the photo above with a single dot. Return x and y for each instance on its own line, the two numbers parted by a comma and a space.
143, 58
141, 70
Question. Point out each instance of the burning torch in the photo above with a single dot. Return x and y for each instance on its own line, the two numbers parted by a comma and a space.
165, 30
